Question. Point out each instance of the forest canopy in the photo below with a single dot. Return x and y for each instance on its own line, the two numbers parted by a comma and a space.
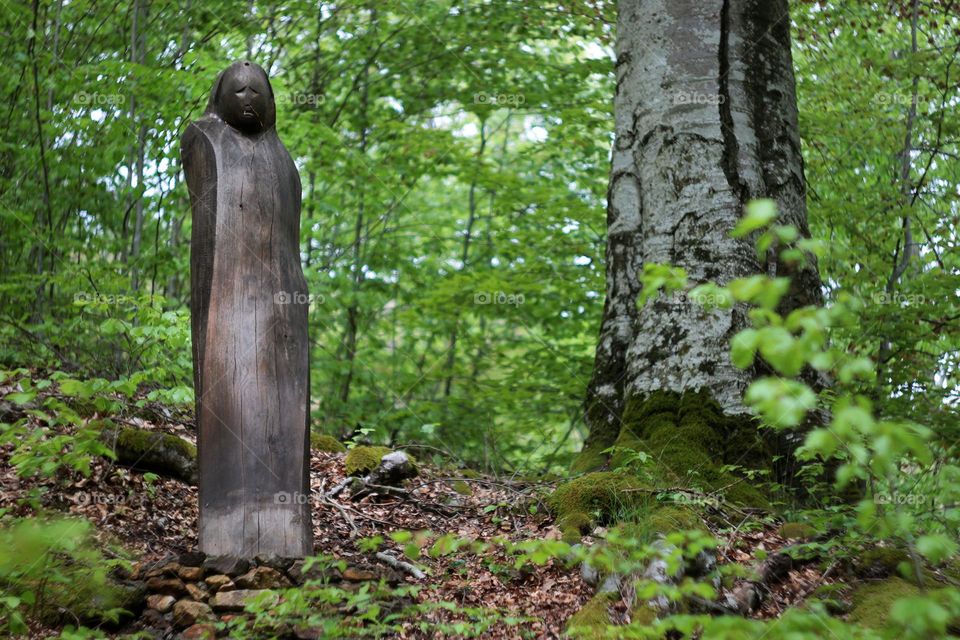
455, 161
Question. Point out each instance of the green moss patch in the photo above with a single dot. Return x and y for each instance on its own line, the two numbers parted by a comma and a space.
686, 435
797, 531
592, 619
364, 459
689, 440
461, 487
326, 443
872, 602
595, 498
156, 451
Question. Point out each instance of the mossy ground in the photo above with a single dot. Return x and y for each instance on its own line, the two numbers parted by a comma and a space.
872, 601
326, 443
592, 619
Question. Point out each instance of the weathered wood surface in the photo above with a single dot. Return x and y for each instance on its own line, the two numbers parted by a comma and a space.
249, 324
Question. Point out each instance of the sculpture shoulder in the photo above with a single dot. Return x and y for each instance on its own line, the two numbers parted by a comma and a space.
198, 138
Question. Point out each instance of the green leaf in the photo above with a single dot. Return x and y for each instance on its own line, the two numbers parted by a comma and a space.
936, 548
759, 214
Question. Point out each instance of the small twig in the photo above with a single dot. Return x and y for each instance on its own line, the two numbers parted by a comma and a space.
343, 512
333, 493
400, 565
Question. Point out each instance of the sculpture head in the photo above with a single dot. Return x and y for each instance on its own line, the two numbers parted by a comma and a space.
243, 98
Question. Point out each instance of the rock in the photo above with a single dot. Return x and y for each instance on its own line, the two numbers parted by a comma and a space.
394, 468
589, 574
235, 600
155, 619
280, 563
610, 584
220, 583
169, 570
192, 558
199, 632
353, 574
196, 592
188, 612
166, 586
307, 633
160, 603
228, 565
262, 578
190, 574
316, 572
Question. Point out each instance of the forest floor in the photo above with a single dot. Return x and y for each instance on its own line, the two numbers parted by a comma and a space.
156, 519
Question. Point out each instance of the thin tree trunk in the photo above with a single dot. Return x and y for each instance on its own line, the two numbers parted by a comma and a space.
353, 310
901, 260
464, 257
137, 53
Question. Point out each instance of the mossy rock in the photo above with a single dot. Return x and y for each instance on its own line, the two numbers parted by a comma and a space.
156, 451
595, 498
797, 531
883, 562
365, 458
461, 487
591, 621
326, 443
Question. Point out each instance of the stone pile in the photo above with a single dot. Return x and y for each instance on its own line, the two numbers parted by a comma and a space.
188, 594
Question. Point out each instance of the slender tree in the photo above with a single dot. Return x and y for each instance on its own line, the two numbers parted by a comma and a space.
706, 120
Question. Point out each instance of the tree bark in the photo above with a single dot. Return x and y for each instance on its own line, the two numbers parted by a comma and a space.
706, 119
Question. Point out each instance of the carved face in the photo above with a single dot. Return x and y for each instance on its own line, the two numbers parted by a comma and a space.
245, 99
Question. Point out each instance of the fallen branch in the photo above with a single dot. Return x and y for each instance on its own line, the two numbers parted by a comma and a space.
400, 565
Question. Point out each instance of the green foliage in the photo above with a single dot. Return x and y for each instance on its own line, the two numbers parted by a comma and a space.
54, 570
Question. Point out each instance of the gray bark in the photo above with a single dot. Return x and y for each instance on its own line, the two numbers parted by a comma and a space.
706, 120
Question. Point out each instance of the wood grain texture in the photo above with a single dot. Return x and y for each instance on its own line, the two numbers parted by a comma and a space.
250, 345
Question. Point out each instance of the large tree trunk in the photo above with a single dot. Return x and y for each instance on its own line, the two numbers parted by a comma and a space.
706, 119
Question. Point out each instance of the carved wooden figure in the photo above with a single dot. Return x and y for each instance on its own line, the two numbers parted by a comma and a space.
249, 324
